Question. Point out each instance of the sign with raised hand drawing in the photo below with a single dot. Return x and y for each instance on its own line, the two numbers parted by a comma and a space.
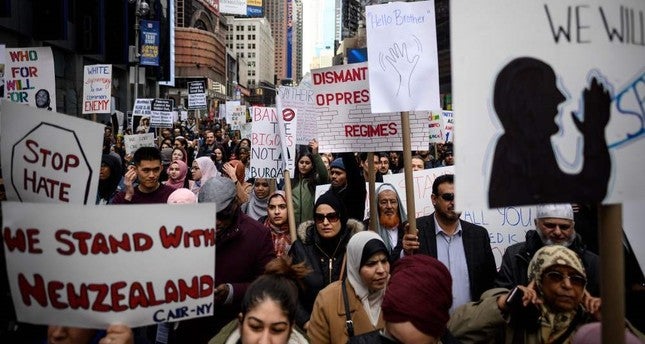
402, 48
561, 86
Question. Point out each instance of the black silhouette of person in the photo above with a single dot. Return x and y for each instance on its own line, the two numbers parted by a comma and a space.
525, 170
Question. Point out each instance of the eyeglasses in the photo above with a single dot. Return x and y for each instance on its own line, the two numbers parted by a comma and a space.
331, 217
575, 279
448, 196
551, 225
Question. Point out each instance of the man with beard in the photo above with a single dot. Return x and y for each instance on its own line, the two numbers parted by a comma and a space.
555, 226
391, 219
463, 247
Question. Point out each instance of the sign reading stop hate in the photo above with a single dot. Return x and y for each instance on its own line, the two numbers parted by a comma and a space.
49, 157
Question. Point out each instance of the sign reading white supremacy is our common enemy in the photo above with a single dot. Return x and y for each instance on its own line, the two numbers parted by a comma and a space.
342, 99
554, 110
72, 264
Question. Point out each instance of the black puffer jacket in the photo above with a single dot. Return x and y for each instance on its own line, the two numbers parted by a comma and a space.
515, 263
308, 248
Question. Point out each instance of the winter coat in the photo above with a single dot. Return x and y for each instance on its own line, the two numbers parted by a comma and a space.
328, 321
515, 263
306, 249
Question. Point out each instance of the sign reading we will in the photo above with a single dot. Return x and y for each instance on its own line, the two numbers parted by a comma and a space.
72, 270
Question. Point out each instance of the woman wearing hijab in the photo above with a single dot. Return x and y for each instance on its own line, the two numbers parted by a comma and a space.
321, 244
109, 177
177, 171
256, 207
310, 171
277, 221
550, 309
202, 170
368, 271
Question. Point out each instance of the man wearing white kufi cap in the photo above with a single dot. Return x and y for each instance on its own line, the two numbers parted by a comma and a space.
554, 226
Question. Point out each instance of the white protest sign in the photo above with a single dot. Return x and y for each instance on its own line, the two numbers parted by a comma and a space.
266, 154
246, 130
49, 157
403, 64
550, 116
288, 126
136, 141
29, 77
3, 58
342, 99
97, 89
436, 127
142, 107
230, 106
161, 113
301, 100
506, 226
448, 123
92, 266
238, 117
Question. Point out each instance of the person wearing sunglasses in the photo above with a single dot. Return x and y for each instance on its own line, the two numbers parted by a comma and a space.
321, 245
554, 225
462, 246
549, 309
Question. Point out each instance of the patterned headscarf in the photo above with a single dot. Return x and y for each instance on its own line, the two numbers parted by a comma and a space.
548, 256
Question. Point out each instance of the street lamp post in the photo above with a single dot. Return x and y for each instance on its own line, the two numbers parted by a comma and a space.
142, 9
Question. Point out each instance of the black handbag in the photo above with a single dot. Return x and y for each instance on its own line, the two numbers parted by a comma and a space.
365, 338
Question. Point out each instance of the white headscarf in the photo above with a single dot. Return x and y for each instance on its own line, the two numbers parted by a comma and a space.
371, 302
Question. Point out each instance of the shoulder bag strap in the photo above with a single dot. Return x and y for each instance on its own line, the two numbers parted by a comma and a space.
349, 323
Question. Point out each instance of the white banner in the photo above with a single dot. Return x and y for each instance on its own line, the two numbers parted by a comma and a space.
92, 266
266, 154
301, 100
49, 157
97, 89
232, 7
403, 64
136, 141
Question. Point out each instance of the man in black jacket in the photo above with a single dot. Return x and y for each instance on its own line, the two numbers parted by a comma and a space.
348, 184
555, 226
464, 248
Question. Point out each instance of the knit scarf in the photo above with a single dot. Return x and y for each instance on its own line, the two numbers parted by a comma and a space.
280, 237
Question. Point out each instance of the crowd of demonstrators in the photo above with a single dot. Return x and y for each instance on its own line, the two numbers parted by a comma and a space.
310, 172
321, 245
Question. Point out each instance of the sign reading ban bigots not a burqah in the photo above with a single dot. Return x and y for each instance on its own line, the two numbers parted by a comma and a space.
342, 99
70, 265
49, 157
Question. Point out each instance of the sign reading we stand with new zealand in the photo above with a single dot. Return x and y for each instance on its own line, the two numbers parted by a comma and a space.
342, 99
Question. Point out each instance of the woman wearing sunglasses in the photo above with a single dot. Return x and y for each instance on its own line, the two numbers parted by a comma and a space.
550, 309
321, 245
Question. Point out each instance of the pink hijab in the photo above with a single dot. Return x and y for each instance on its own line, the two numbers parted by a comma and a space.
208, 169
183, 170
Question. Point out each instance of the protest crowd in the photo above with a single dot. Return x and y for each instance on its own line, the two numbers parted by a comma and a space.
338, 281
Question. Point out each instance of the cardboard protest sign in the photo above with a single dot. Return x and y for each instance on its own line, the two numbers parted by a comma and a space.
49, 157
266, 153
97, 89
29, 77
71, 270
161, 113
562, 120
342, 99
506, 226
136, 141
403, 64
